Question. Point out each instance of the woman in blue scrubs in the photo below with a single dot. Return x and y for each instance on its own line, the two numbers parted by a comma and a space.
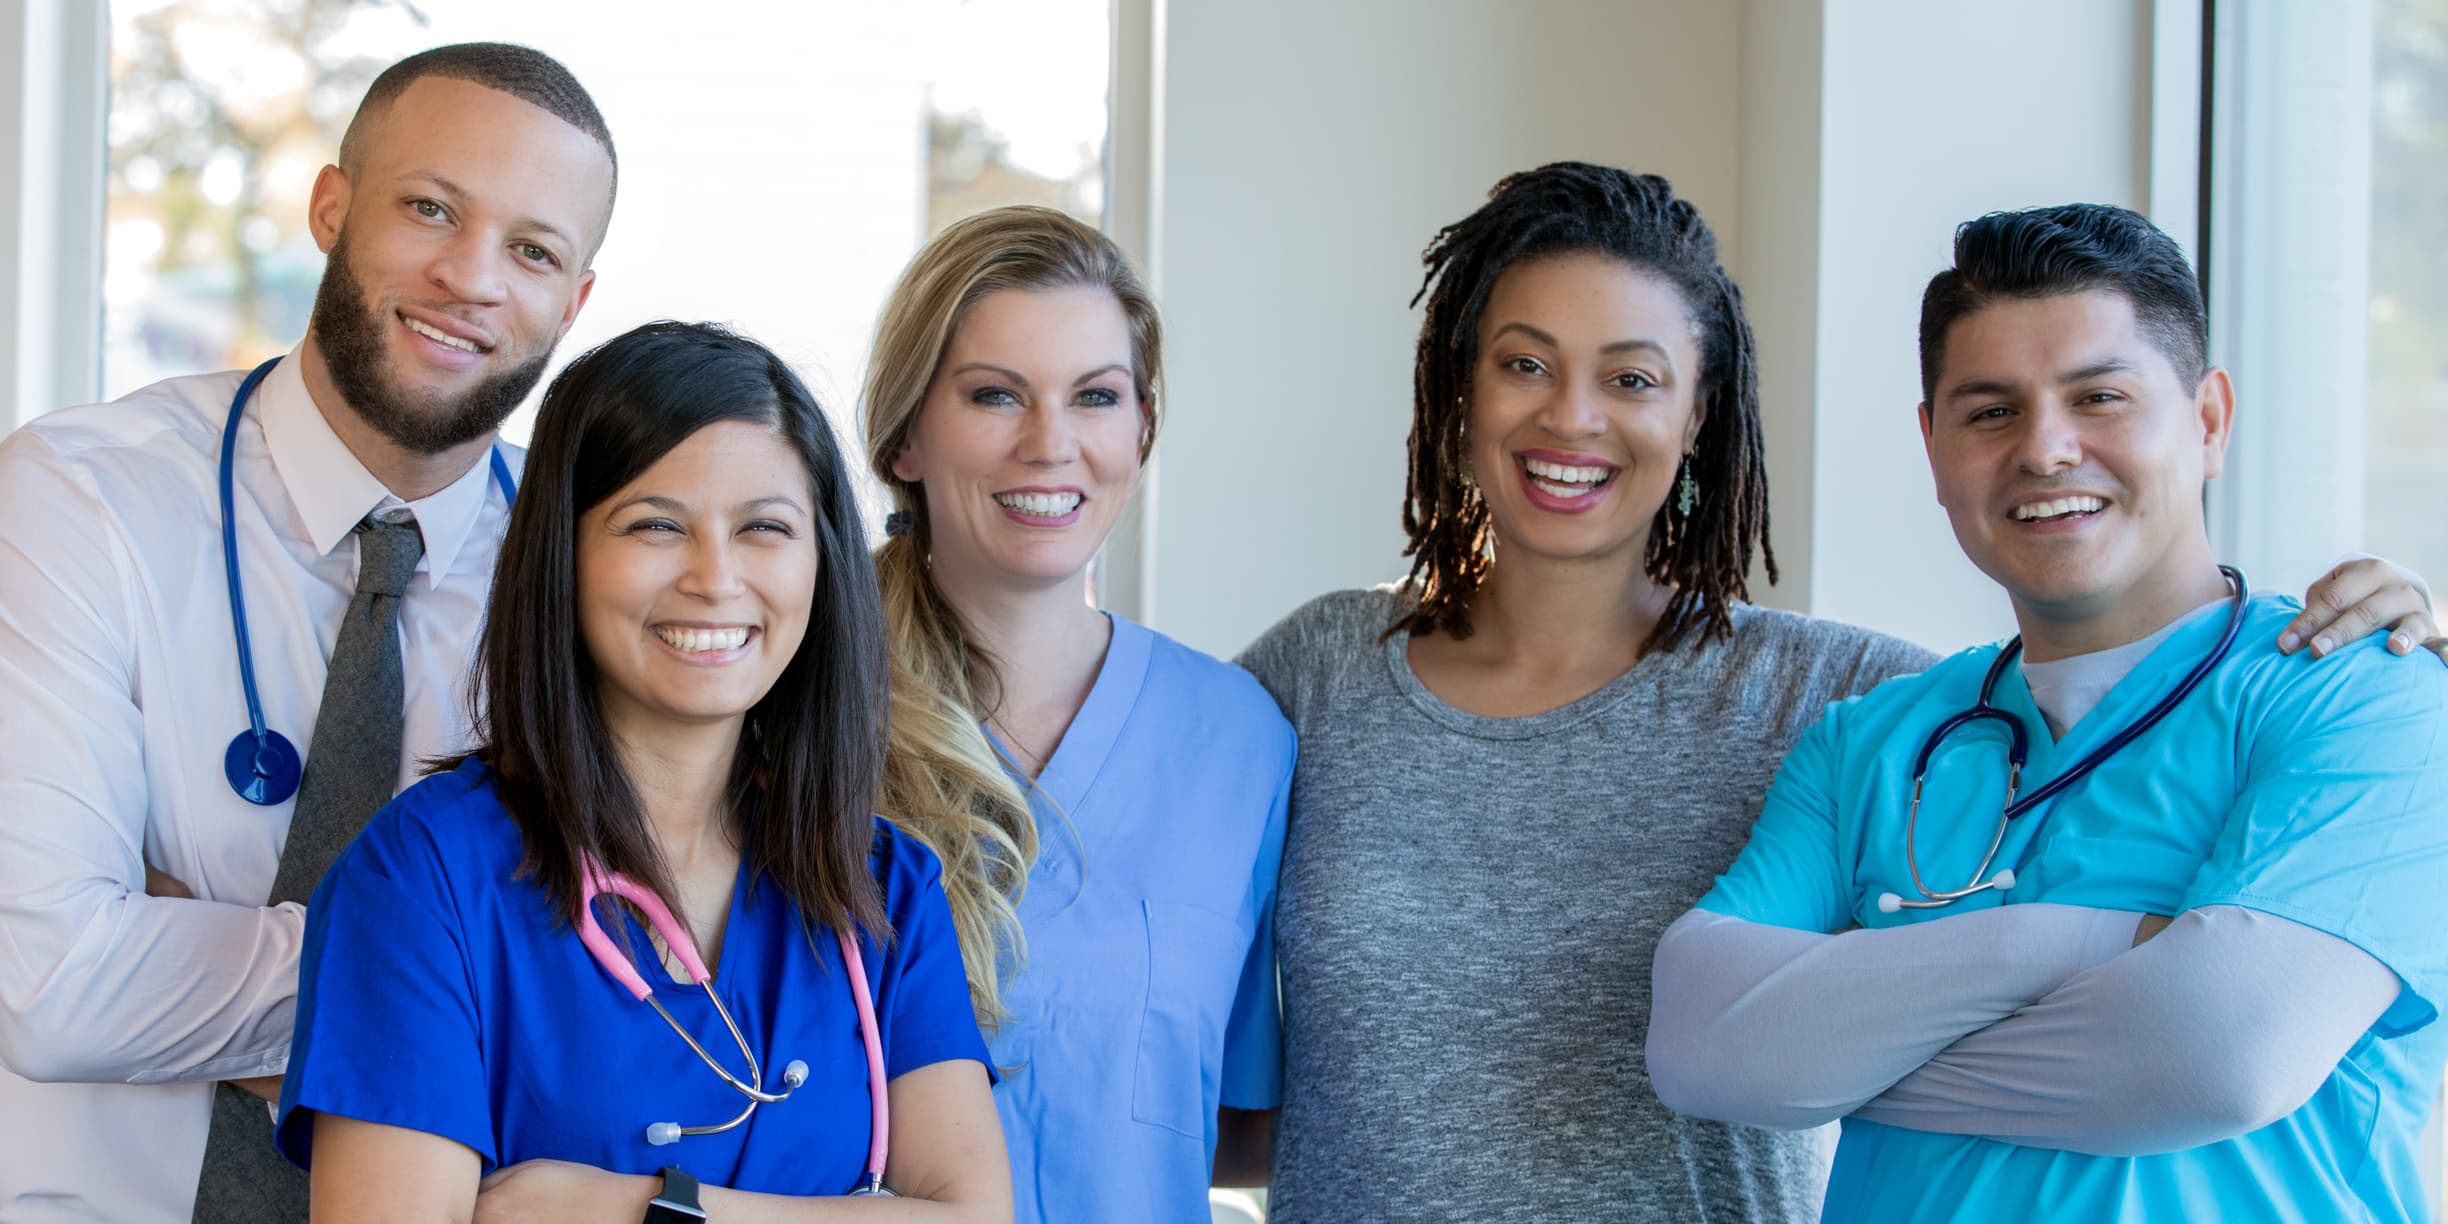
1109, 804
683, 675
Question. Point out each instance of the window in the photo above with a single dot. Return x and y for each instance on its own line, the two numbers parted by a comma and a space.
2327, 255
2405, 486
2327, 262
780, 159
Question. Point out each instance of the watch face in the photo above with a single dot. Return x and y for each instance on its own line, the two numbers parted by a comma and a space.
661, 1212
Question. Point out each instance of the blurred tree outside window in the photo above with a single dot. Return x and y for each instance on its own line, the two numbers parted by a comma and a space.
2406, 480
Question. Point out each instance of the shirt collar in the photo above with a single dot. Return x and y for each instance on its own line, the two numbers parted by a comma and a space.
332, 490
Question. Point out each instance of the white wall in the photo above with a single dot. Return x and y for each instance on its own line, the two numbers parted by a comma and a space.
1307, 153
1777, 265
1933, 113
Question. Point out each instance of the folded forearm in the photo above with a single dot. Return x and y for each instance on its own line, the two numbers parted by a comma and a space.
2228, 1021
146, 990
1769, 1026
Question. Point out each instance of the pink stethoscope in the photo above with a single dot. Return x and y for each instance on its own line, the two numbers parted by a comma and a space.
595, 881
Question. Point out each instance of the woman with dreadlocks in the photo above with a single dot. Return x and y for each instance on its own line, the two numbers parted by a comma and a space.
1521, 764
1518, 766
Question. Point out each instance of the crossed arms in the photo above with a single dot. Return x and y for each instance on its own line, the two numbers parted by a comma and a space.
2032, 1024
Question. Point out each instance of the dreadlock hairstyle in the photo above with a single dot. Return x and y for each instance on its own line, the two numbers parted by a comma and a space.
1575, 208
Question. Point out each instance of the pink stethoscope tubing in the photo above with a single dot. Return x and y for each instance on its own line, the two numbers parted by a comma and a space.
594, 881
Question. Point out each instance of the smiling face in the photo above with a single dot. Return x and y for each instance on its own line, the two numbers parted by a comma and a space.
2070, 456
458, 249
1582, 405
1027, 443
695, 581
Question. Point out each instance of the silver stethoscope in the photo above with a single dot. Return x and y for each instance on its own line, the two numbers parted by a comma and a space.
2018, 745
261, 764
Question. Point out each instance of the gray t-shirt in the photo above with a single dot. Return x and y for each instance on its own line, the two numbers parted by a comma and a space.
1469, 906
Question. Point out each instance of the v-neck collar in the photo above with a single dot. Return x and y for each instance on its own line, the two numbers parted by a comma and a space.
2148, 681
660, 972
1079, 759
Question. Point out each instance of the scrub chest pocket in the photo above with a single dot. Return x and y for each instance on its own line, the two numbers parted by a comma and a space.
1194, 969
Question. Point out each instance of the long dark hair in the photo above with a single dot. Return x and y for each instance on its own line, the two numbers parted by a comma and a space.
803, 782
1560, 209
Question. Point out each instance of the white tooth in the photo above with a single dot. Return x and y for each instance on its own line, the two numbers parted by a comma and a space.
1040, 505
440, 337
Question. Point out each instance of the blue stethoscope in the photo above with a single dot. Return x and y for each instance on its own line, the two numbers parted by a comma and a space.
261, 764
2018, 744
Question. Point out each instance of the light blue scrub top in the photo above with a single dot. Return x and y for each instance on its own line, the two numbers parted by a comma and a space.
440, 994
2312, 791
1149, 994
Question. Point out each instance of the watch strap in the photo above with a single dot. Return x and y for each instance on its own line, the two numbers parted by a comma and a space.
677, 1204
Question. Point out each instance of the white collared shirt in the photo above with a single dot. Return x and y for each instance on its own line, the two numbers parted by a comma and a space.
119, 695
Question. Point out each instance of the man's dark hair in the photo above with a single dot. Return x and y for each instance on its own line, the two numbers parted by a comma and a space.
1570, 208
803, 780
522, 72
2070, 248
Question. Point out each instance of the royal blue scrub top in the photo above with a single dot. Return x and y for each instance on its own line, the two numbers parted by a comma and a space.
1148, 998
438, 993
2314, 791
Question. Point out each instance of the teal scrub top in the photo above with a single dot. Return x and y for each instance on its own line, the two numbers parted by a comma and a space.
1148, 998
2314, 791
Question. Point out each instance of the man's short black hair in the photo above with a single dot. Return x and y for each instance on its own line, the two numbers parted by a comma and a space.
2070, 248
522, 72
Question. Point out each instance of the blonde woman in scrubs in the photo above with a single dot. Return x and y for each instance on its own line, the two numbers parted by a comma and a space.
1108, 804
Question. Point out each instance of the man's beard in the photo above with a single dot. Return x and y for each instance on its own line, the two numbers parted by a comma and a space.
349, 331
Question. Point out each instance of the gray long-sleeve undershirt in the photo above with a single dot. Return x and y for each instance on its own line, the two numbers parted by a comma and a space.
2030, 1024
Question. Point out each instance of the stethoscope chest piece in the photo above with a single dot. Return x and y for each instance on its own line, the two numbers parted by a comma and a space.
263, 768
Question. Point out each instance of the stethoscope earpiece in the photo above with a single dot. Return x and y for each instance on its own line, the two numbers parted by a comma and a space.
662, 1134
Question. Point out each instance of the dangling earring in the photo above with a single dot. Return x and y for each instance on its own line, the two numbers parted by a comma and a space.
1686, 494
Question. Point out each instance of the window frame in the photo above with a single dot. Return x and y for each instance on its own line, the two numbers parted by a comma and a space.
53, 159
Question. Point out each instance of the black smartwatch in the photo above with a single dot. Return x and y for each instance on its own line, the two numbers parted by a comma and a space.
678, 1202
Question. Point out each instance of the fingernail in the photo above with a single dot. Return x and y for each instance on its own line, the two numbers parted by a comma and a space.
2400, 643
2322, 645
2288, 641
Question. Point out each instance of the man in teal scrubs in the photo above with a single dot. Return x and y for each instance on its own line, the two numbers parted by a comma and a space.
2050, 1045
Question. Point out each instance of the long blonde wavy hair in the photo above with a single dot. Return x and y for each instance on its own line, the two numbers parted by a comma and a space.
944, 783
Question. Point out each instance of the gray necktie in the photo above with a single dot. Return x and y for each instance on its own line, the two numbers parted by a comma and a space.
352, 766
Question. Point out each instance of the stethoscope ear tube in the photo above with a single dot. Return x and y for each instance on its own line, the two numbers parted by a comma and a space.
2017, 745
262, 766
